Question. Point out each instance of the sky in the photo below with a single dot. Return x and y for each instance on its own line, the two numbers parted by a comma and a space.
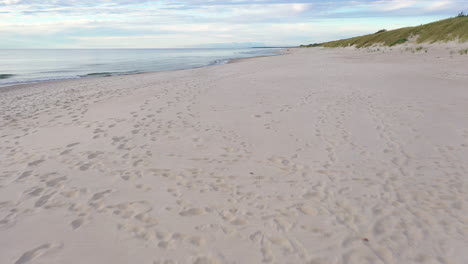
206, 23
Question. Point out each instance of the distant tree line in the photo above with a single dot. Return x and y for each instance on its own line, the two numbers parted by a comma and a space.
462, 14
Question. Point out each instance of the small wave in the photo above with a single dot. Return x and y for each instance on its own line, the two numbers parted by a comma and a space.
61, 71
98, 74
220, 62
6, 76
261, 52
95, 64
250, 52
107, 74
130, 72
31, 81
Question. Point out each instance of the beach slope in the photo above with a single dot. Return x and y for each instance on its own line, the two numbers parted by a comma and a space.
316, 156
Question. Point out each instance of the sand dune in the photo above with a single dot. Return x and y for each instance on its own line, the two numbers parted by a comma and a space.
317, 156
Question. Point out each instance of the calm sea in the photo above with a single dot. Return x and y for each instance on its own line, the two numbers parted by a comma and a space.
34, 65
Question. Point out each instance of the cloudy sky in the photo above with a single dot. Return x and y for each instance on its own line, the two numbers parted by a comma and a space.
184, 23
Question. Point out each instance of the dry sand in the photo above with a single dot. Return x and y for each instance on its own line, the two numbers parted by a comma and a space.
317, 156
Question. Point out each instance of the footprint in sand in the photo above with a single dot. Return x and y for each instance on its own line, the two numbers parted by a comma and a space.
77, 223
238, 222
24, 175
206, 260
30, 255
197, 241
307, 210
100, 195
36, 191
192, 212
35, 163
56, 181
73, 144
85, 167
43, 200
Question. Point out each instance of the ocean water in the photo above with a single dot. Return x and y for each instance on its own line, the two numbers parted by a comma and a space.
19, 66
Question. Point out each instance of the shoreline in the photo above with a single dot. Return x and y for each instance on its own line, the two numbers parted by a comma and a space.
452, 48
280, 52
3, 88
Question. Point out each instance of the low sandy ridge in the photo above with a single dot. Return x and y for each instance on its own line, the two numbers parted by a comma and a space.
317, 156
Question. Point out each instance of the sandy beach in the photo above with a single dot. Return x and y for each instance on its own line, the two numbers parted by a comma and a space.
320, 156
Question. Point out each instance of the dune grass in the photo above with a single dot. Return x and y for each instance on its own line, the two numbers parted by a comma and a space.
452, 29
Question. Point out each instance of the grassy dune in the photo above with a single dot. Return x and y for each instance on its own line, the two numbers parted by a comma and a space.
451, 29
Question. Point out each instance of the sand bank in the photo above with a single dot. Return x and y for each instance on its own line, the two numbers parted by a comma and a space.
317, 156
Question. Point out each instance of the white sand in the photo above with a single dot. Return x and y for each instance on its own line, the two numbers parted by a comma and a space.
318, 156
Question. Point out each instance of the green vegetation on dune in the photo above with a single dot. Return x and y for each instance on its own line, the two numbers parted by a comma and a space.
452, 29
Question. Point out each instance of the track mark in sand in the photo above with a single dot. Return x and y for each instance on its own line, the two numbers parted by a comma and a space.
307, 210
167, 261
65, 152
35, 163
100, 195
147, 219
56, 181
192, 212
197, 241
43, 200
266, 251
318, 261
72, 145
94, 155
36, 191
166, 244
77, 223
135, 163
24, 175
85, 167
30, 255
238, 222
206, 260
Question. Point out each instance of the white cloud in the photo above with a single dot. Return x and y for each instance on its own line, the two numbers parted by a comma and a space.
391, 5
43, 28
168, 23
438, 5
